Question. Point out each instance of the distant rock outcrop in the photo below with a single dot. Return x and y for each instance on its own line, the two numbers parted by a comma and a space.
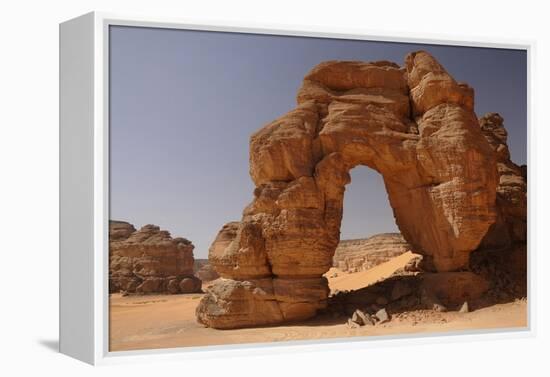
120, 230
363, 254
205, 271
149, 261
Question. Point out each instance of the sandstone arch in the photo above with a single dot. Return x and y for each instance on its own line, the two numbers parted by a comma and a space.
414, 125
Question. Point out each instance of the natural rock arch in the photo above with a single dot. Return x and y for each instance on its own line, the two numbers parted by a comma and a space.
414, 125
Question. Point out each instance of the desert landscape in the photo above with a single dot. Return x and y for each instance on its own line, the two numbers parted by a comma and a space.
282, 272
165, 321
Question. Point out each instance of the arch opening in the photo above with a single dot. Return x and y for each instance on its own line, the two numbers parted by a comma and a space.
367, 211
369, 235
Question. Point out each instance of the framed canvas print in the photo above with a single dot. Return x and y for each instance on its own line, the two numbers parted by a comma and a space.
234, 189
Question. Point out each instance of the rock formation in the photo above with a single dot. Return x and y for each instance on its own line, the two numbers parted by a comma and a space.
502, 255
414, 125
436, 291
205, 271
149, 261
511, 223
362, 254
120, 230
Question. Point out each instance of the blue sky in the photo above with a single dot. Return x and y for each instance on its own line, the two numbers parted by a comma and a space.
184, 103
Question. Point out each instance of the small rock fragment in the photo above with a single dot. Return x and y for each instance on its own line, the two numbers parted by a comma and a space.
355, 318
439, 308
362, 318
382, 316
413, 265
465, 308
351, 324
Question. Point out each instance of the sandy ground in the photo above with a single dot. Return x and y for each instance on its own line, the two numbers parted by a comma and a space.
147, 322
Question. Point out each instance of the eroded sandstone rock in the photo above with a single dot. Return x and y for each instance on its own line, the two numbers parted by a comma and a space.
149, 261
205, 271
453, 288
511, 223
363, 254
120, 230
233, 303
429, 291
414, 125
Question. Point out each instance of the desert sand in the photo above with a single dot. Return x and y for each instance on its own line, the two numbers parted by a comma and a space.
166, 321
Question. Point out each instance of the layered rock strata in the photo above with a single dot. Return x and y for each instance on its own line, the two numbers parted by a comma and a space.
414, 125
511, 224
363, 254
149, 261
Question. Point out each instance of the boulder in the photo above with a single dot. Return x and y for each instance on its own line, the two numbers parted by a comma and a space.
362, 318
233, 304
190, 284
382, 316
173, 286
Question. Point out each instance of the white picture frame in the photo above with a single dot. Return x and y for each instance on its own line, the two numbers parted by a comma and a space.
84, 191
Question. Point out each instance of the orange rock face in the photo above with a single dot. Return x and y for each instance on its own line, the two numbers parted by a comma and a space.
511, 224
413, 125
149, 261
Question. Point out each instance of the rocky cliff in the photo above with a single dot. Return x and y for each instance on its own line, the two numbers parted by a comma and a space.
149, 261
362, 254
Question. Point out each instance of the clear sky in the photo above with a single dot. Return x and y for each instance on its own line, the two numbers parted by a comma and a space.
184, 104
